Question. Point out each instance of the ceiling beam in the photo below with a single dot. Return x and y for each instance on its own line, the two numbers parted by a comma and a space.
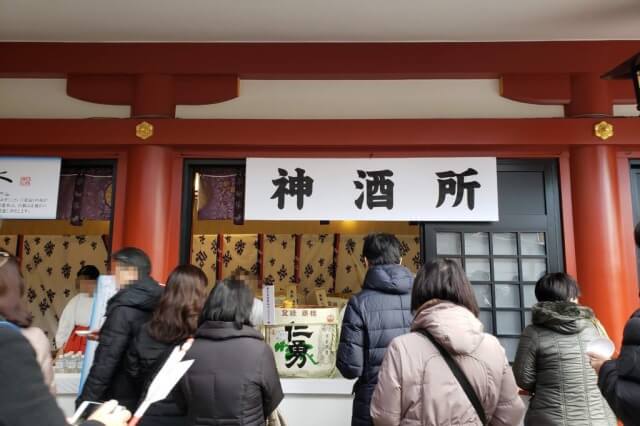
335, 135
314, 60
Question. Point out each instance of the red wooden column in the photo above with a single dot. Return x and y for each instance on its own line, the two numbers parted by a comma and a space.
589, 96
148, 195
604, 282
154, 96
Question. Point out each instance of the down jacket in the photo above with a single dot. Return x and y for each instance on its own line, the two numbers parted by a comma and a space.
552, 364
127, 311
233, 381
145, 357
417, 387
372, 319
619, 380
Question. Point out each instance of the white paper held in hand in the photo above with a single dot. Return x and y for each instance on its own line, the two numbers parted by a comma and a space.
166, 379
601, 346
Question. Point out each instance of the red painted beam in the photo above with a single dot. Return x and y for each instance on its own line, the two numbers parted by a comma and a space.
314, 60
555, 89
121, 89
543, 89
622, 92
333, 135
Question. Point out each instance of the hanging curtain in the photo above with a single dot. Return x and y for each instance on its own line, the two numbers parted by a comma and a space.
221, 195
204, 255
279, 254
85, 193
65, 195
317, 269
50, 264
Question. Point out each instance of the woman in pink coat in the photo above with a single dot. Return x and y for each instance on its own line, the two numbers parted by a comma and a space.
415, 384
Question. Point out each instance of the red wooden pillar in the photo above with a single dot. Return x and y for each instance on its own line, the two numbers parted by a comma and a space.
589, 96
604, 282
148, 195
154, 96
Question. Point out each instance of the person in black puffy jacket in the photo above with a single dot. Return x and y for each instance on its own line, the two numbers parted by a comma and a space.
233, 380
172, 323
373, 318
619, 379
127, 311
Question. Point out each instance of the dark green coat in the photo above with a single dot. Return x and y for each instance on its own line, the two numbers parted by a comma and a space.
551, 364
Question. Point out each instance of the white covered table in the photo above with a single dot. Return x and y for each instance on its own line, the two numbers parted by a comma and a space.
309, 402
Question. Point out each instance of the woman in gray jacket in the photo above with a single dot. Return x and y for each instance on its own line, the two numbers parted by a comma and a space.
552, 364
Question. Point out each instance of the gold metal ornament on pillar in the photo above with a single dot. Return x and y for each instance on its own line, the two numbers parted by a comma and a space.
144, 130
603, 130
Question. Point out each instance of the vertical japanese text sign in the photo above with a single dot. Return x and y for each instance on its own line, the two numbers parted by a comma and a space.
29, 187
389, 189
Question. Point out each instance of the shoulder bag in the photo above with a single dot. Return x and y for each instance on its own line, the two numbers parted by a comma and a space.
459, 375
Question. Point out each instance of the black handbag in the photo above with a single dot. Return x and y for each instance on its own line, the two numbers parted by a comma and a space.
459, 375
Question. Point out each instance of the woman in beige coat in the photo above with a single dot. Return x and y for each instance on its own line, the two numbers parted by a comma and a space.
15, 311
41, 347
415, 384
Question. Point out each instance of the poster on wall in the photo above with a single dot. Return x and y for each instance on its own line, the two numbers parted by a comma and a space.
386, 189
29, 187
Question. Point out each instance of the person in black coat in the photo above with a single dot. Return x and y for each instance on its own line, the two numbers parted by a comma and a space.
373, 318
234, 380
172, 323
25, 399
619, 379
126, 312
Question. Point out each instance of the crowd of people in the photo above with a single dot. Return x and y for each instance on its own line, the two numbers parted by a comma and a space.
415, 345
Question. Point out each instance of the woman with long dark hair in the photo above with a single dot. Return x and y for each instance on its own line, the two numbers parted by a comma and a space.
234, 380
417, 384
174, 320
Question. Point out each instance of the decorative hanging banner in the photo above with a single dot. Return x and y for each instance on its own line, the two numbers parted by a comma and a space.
390, 189
29, 187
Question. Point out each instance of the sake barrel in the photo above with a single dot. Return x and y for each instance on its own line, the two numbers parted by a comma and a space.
304, 341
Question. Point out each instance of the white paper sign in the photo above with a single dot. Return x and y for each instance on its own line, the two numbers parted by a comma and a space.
269, 304
389, 189
29, 187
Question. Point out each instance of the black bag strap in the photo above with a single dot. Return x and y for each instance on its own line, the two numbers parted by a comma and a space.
459, 375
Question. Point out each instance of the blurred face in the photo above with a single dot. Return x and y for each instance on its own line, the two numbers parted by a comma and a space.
249, 281
13, 307
10, 300
86, 285
125, 274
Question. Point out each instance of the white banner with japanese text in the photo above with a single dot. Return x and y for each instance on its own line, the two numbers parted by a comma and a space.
390, 189
29, 187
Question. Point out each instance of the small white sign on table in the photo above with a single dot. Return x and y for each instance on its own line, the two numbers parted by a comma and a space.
29, 187
390, 189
